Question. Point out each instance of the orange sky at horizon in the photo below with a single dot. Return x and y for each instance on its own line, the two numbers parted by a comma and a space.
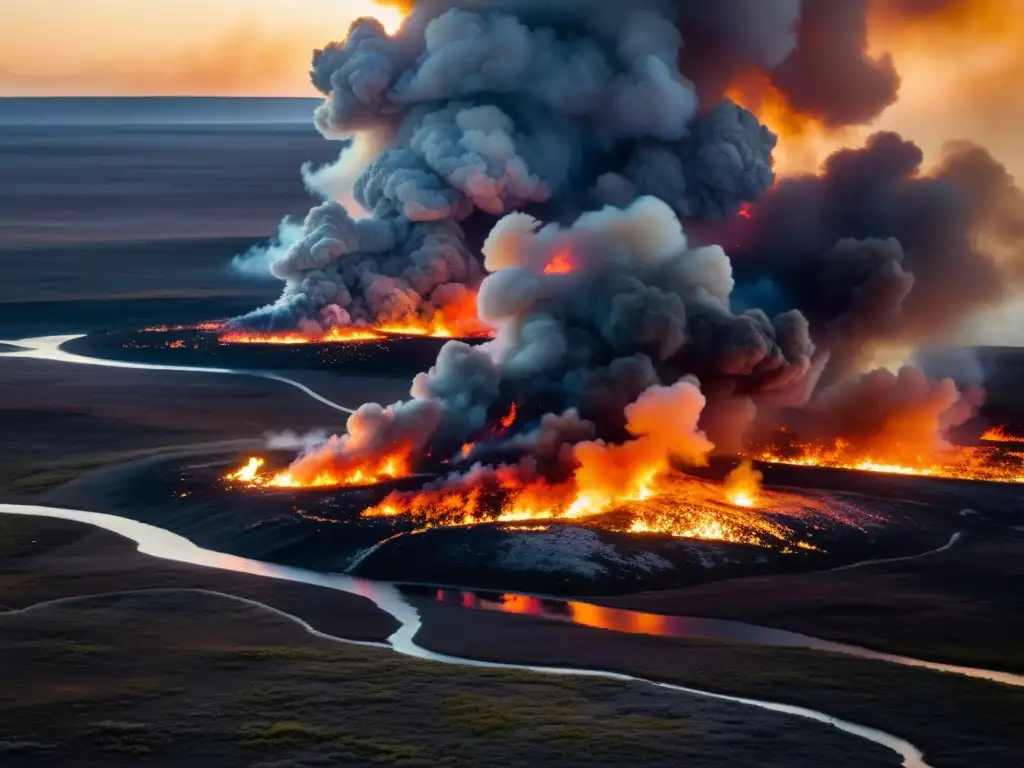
957, 68
170, 47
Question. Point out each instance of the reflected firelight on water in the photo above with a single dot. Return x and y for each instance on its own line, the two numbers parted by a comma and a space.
582, 614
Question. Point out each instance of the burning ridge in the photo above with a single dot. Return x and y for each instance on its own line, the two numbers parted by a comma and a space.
627, 343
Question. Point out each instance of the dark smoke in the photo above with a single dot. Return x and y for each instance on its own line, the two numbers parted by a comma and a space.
484, 108
491, 116
640, 310
830, 75
874, 251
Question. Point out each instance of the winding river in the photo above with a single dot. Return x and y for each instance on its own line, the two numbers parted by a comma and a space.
390, 598
163, 544
49, 348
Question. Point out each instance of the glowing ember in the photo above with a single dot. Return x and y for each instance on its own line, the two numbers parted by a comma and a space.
561, 263
390, 467
983, 463
744, 212
1001, 435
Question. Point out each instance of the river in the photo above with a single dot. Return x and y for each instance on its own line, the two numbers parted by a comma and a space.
166, 545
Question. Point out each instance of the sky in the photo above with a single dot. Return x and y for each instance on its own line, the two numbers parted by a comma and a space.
168, 47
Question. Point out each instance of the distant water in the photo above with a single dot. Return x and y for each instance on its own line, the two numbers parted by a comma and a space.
154, 111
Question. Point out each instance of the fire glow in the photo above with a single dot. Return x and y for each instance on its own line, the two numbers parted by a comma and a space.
455, 323
980, 463
670, 504
561, 263
1000, 435
337, 335
252, 475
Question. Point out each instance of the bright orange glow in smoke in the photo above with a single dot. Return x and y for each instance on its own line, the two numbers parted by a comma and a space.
561, 263
971, 47
508, 419
803, 140
391, 13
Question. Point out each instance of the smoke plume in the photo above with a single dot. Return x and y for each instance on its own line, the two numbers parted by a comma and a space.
873, 251
475, 110
622, 337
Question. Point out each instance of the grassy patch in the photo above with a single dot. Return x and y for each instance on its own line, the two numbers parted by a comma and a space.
482, 716
290, 735
284, 735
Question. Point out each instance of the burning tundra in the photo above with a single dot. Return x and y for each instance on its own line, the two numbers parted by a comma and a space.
590, 157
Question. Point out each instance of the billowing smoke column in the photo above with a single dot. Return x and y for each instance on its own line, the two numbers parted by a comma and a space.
478, 109
592, 321
487, 117
874, 252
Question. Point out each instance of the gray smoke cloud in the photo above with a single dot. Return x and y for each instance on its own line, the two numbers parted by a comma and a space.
481, 119
639, 309
876, 251
479, 109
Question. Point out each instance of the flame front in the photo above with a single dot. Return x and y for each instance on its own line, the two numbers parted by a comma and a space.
334, 335
663, 503
1000, 435
984, 463
456, 321
371, 472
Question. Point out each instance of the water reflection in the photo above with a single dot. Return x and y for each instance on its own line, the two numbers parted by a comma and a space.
683, 627
617, 619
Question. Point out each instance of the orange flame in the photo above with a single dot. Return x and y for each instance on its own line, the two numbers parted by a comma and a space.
369, 472
670, 504
1000, 435
561, 263
335, 335
509, 418
456, 319
983, 463
743, 485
